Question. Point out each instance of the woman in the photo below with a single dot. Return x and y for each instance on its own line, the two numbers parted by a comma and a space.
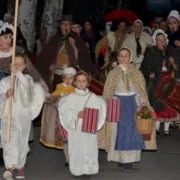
6, 37
159, 63
121, 140
173, 21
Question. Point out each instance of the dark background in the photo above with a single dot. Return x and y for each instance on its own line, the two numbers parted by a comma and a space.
95, 9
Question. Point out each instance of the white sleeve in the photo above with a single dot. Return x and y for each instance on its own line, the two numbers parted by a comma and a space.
67, 114
23, 80
102, 113
37, 101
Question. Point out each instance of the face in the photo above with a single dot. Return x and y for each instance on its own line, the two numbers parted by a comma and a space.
137, 27
65, 27
173, 24
19, 62
163, 26
81, 82
108, 26
87, 26
68, 79
124, 57
76, 28
122, 27
161, 42
5, 41
155, 26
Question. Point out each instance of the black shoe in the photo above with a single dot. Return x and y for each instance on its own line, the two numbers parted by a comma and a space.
85, 176
66, 164
167, 133
121, 166
128, 167
157, 132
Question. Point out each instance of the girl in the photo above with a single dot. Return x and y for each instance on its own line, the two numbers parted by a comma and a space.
83, 149
121, 140
28, 98
50, 135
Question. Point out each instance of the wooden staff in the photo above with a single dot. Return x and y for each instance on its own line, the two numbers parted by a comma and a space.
12, 74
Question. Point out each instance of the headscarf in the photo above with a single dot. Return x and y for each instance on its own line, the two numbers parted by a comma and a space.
157, 32
5, 26
174, 14
69, 70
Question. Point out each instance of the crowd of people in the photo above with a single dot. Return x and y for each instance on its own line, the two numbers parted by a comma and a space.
131, 61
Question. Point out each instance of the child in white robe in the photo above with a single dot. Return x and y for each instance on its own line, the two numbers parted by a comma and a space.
83, 149
28, 98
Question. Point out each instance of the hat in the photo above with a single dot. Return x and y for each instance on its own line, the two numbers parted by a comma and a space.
5, 26
66, 18
69, 70
138, 21
8, 17
148, 29
75, 22
174, 14
159, 31
158, 19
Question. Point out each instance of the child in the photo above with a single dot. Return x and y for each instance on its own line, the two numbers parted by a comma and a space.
83, 150
49, 135
28, 98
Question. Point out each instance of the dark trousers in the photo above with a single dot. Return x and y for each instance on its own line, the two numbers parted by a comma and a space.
1, 158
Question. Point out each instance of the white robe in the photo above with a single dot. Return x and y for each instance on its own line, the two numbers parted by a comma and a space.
83, 149
27, 103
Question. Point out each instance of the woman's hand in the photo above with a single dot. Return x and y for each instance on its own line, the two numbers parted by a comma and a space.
173, 63
9, 93
177, 43
81, 114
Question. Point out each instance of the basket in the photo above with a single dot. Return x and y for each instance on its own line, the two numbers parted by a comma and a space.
144, 126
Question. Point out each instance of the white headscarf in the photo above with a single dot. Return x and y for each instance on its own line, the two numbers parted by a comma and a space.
5, 26
174, 14
138, 21
69, 70
159, 31
148, 29
125, 48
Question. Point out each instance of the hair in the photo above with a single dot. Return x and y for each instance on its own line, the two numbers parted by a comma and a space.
85, 74
159, 34
115, 24
6, 32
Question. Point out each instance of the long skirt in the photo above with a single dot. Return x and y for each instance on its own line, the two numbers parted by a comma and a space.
126, 142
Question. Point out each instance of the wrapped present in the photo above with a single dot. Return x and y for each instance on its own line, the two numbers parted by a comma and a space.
90, 120
63, 132
113, 110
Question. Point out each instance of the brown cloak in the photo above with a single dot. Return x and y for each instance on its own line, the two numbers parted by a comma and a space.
49, 53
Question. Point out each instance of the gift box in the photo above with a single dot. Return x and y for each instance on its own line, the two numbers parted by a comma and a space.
63, 132
90, 120
113, 110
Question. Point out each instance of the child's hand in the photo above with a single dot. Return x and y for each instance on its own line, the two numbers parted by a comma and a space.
9, 93
81, 114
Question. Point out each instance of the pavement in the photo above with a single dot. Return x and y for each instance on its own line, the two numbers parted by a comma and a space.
164, 164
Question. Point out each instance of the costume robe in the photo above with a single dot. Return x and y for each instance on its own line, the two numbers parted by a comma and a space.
27, 103
83, 148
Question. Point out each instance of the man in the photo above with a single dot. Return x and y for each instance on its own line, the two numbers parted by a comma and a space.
138, 41
114, 40
64, 49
